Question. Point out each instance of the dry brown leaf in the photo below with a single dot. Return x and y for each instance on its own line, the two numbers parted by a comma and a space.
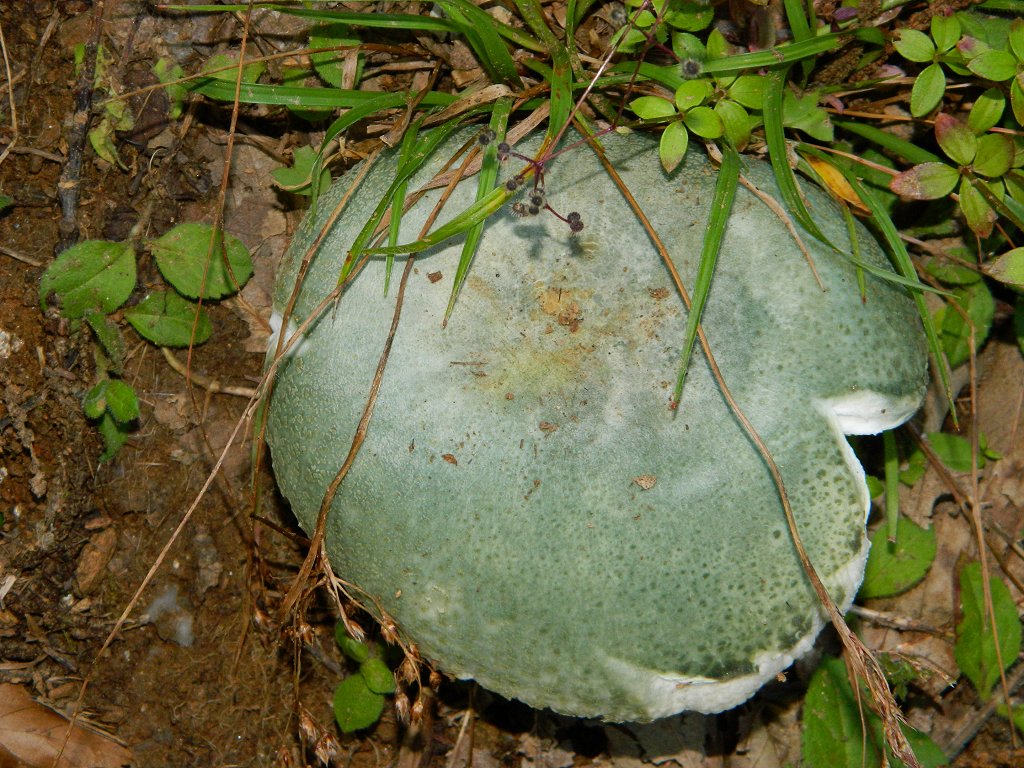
32, 735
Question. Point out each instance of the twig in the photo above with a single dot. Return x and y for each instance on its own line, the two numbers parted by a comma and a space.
976, 718
891, 620
208, 383
10, 98
71, 177
20, 257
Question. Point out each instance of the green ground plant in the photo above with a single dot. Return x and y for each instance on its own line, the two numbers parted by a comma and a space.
679, 68
91, 283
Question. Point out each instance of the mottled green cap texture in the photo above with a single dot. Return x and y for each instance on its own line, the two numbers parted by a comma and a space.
526, 507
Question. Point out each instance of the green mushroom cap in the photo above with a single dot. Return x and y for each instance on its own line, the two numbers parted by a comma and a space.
526, 508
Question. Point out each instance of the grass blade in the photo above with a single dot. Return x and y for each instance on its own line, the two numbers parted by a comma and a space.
303, 97
479, 29
779, 156
721, 207
424, 148
905, 267
460, 224
485, 185
909, 152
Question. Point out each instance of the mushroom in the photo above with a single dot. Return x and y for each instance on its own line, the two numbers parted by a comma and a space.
526, 508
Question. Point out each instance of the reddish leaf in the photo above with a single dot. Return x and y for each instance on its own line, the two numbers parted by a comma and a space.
956, 139
978, 213
927, 181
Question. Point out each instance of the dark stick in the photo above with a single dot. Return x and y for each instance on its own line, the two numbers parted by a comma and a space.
71, 177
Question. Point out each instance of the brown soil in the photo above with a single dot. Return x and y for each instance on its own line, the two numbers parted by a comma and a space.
80, 536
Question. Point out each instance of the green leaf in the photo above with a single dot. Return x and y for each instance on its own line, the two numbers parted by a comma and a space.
111, 396
704, 122
952, 274
114, 433
929, 88
1017, 98
689, 16
1009, 268
330, 65
995, 155
168, 72
94, 404
672, 146
736, 121
975, 648
804, 114
747, 90
101, 139
168, 320
977, 302
1016, 39
378, 677
927, 181
956, 139
109, 338
92, 275
833, 736
6, 201
954, 451
686, 46
297, 179
195, 269
355, 705
945, 31
914, 45
1018, 322
354, 649
692, 93
986, 110
895, 567
652, 107
993, 65
977, 211
224, 67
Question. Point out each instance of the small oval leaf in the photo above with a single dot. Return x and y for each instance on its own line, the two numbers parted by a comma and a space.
704, 122
927, 181
928, 90
355, 705
994, 65
975, 648
379, 678
895, 567
188, 262
956, 139
1009, 268
92, 275
652, 107
995, 155
986, 111
167, 320
672, 146
914, 45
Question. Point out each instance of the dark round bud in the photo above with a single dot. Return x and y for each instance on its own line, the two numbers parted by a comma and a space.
537, 199
503, 150
486, 137
533, 210
575, 222
690, 69
512, 183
